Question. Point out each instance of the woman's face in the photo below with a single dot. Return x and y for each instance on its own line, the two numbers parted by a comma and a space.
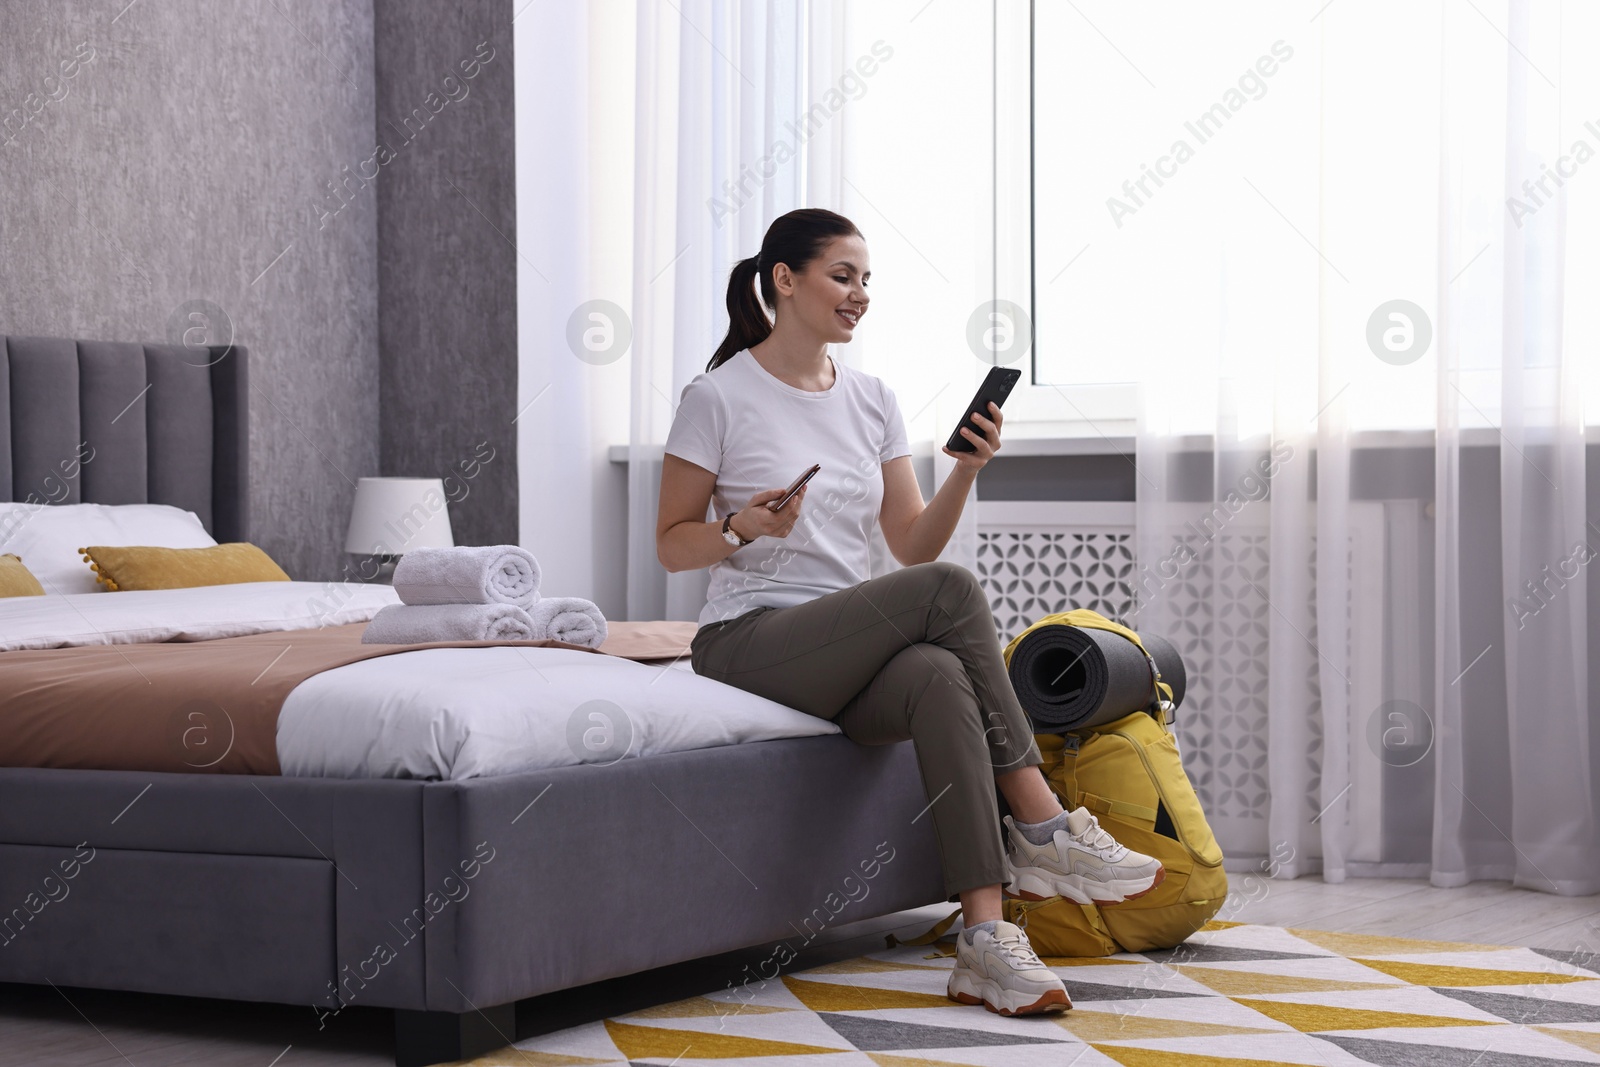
830, 295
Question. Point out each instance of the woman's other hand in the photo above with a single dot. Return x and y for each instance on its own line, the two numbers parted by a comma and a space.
757, 520
987, 444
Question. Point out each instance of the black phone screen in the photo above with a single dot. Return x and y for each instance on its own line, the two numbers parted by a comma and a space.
996, 387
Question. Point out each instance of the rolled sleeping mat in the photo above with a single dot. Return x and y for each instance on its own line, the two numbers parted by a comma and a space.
1075, 677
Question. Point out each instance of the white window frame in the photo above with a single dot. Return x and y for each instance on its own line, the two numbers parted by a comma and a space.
1034, 409
1108, 410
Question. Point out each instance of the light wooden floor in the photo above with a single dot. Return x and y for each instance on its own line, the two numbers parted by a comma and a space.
1489, 913
44, 1027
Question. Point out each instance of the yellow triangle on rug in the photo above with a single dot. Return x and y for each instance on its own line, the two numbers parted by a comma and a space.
1232, 981
1374, 945
1149, 1057
1318, 1018
832, 996
511, 1056
638, 1042
883, 1059
699, 1006
1584, 1039
1092, 1026
1439, 974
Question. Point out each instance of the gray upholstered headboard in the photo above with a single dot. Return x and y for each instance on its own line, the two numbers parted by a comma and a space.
105, 422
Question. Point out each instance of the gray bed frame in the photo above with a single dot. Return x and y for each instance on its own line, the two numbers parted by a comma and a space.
446, 901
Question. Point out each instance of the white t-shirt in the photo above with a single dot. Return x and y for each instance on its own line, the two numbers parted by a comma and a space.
755, 432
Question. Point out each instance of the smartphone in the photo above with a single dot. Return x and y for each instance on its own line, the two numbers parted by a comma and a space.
778, 504
996, 387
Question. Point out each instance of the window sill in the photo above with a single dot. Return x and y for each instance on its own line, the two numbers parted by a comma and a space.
1117, 438
1026, 440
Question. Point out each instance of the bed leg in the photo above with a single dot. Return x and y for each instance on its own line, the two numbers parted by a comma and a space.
427, 1037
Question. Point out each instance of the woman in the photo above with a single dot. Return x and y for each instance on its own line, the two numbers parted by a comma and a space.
911, 654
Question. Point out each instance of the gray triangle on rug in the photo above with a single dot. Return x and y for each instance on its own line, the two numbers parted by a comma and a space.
1524, 1010
1197, 953
1086, 992
1407, 1054
886, 1035
1584, 960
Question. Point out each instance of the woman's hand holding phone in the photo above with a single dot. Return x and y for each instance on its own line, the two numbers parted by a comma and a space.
757, 520
984, 447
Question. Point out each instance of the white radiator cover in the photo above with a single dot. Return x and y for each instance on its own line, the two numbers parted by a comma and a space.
1039, 557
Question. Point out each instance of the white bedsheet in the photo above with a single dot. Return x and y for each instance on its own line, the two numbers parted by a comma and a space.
137, 616
470, 712
436, 713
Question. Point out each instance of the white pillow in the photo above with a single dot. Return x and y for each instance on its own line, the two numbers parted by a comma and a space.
48, 536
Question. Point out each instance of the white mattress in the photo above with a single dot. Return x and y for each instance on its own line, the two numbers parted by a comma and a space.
435, 713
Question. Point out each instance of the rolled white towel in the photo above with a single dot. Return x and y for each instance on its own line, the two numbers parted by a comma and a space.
569, 618
486, 574
411, 624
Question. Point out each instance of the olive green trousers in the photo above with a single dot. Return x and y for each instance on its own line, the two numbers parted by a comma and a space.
912, 655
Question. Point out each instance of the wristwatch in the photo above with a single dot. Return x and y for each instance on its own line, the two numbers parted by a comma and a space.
730, 535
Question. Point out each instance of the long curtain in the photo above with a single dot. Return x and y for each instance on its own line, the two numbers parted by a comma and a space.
1362, 501
715, 82
746, 111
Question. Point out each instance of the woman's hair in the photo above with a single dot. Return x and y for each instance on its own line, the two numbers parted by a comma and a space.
795, 239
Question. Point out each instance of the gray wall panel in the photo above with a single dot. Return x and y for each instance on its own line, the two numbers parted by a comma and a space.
447, 277
113, 408
45, 429
187, 158
180, 413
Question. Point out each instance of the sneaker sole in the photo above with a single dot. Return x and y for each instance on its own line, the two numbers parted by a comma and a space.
1051, 1002
1034, 883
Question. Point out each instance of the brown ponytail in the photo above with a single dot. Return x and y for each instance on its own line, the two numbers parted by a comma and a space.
795, 239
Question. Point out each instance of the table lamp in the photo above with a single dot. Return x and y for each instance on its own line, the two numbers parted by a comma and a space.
393, 516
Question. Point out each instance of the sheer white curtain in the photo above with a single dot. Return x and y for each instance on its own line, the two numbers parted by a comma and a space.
746, 111
1362, 504
715, 85
1516, 795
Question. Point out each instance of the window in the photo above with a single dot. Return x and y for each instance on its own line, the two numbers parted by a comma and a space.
1235, 191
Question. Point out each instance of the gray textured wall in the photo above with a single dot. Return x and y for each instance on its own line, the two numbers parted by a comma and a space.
447, 275
177, 164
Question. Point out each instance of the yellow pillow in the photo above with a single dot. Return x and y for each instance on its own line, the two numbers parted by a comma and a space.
17, 580
124, 567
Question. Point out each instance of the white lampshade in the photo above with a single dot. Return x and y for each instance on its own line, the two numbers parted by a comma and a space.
393, 516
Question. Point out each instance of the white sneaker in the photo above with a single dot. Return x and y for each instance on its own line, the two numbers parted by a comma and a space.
1083, 863
1000, 971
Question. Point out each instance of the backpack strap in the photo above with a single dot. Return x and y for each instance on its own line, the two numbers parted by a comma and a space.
934, 933
1104, 806
1090, 913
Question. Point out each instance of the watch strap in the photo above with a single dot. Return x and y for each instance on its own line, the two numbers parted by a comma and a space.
727, 528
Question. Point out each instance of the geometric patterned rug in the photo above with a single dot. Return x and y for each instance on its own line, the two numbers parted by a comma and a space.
1235, 995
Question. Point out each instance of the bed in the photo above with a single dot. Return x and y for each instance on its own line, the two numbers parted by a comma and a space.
447, 899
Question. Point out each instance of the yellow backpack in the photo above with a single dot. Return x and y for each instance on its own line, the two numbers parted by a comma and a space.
1128, 773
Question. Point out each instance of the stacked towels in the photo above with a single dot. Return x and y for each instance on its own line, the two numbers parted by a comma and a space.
487, 593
